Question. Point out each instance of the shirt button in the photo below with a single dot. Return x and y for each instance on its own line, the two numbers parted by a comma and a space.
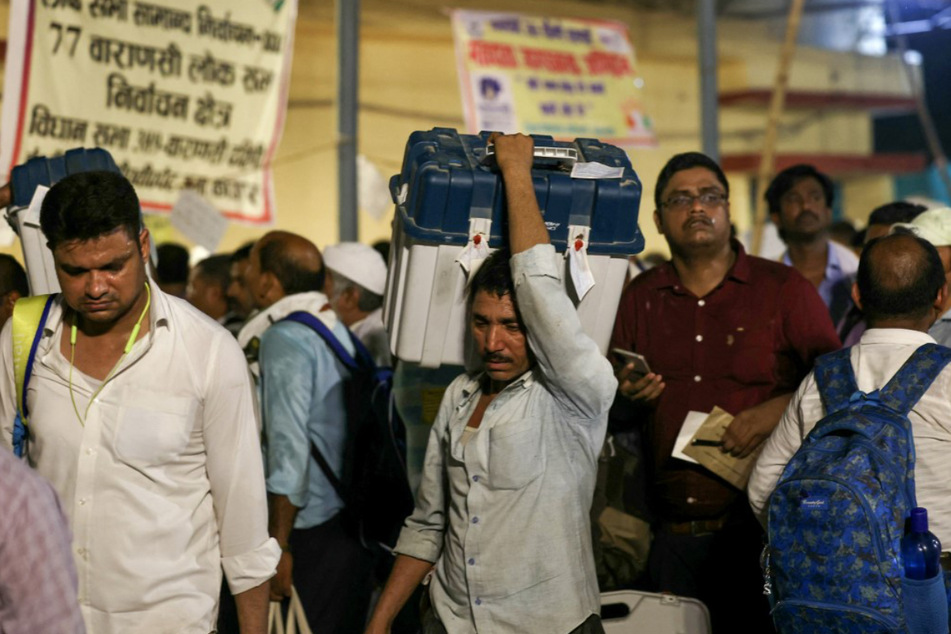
90, 451
478, 601
475, 478
699, 337
475, 520
696, 379
471, 562
701, 303
81, 552
82, 501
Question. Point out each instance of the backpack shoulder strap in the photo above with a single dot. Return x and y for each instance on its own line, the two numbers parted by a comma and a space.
914, 377
29, 317
835, 379
316, 324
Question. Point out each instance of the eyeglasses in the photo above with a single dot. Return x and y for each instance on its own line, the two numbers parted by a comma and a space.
685, 202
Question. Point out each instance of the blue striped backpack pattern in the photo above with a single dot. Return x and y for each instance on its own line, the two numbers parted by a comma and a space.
837, 516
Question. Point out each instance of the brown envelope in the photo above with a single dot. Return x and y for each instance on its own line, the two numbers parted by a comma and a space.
736, 471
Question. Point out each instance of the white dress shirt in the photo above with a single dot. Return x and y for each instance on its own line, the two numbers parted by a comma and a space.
164, 484
877, 357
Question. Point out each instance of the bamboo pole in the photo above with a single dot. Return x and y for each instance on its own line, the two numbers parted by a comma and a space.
778, 100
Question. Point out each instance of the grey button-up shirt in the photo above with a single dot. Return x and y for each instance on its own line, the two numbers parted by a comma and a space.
505, 516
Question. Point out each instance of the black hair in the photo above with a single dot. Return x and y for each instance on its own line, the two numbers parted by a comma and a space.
12, 276
493, 277
383, 248
242, 253
87, 205
172, 267
216, 269
899, 288
787, 179
294, 278
898, 211
686, 161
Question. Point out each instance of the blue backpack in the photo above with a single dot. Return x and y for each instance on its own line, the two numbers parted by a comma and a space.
837, 516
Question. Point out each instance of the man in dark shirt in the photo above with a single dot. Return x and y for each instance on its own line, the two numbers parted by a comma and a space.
718, 328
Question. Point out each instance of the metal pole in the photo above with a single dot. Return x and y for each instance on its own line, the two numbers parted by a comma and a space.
707, 53
348, 77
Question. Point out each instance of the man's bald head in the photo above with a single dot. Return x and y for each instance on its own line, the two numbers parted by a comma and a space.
899, 278
293, 261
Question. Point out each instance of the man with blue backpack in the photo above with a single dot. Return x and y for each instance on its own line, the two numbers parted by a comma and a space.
315, 377
865, 439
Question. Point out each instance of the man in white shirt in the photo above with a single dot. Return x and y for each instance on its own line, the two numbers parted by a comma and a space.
355, 284
901, 289
142, 417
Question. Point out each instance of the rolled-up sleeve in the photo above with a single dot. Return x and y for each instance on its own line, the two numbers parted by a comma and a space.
779, 448
236, 471
423, 531
579, 375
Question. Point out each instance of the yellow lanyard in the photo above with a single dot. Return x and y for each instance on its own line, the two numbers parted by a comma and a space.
128, 347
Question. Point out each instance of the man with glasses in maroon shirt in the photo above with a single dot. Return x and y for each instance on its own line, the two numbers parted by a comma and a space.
718, 328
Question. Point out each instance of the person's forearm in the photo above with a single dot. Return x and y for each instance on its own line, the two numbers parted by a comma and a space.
252, 609
515, 158
281, 515
407, 573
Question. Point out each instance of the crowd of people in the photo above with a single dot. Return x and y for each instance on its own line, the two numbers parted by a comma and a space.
173, 415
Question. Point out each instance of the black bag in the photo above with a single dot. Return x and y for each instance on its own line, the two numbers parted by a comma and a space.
374, 485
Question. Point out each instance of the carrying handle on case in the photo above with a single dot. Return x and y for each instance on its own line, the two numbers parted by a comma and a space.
562, 154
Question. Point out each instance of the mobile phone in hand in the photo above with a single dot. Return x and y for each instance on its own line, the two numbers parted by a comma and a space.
640, 363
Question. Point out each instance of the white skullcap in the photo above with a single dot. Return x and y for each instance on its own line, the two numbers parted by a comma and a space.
933, 225
358, 262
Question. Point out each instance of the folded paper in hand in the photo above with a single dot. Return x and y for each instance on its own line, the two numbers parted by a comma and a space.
736, 471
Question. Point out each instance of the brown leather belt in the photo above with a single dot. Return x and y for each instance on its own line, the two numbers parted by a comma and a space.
695, 528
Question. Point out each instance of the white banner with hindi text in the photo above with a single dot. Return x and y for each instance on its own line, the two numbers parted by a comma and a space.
184, 95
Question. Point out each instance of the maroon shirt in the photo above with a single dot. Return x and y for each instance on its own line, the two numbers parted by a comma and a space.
755, 336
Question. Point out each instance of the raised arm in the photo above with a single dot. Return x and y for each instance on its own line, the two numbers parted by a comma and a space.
514, 154
570, 361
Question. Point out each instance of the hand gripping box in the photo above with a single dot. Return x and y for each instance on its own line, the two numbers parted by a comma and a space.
450, 214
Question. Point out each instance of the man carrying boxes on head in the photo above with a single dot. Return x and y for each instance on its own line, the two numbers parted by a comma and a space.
502, 509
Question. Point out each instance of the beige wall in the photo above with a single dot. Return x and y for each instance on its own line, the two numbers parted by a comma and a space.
408, 82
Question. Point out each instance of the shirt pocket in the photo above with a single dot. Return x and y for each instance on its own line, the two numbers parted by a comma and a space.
516, 456
154, 428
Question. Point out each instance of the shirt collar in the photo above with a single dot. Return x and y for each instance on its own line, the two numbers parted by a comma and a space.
158, 311
833, 260
893, 336
473, 385
667, 277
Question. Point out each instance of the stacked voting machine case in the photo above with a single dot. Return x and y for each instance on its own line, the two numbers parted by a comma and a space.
450, 214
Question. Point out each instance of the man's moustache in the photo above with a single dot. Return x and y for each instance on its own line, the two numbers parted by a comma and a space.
698, 220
